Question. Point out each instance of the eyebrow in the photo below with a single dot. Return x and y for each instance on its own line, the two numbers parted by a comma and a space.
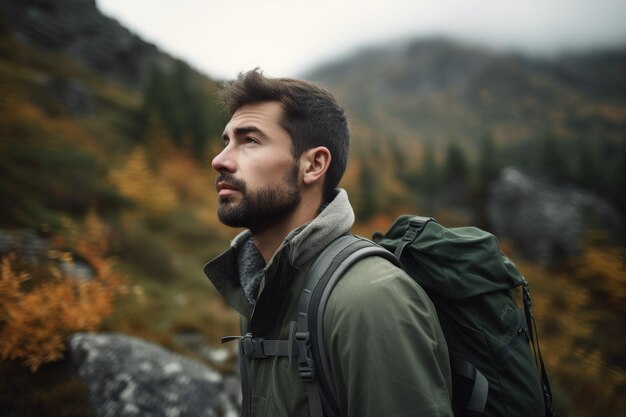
243, 130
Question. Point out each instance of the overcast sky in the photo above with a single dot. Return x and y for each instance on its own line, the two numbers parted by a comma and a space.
288, 37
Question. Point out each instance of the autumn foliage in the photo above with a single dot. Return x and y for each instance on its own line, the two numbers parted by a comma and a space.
40, 305
580, 312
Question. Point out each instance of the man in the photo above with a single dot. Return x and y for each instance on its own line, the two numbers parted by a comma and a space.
285, 151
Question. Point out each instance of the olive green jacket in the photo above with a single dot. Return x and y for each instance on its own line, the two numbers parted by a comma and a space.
387, 353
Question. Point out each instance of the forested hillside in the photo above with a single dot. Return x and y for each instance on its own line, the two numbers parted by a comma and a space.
107, 209
434, 123
466, 109
107, 202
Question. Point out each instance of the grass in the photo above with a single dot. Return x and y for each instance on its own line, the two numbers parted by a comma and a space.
160, 308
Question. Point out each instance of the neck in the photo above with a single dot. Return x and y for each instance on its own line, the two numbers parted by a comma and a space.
269, 240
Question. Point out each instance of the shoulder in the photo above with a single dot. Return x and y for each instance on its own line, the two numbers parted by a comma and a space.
374, 288
380, 317
377, 304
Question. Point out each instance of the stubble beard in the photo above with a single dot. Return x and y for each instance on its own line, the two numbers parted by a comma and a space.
260, 209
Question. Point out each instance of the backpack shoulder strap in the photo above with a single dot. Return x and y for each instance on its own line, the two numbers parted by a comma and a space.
307, 333
313, 362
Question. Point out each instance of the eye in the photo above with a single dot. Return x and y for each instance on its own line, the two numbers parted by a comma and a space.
250, 139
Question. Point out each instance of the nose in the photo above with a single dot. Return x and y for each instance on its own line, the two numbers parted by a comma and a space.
223, 161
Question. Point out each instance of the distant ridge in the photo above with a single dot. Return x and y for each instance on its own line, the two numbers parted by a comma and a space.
77, 28
437, 90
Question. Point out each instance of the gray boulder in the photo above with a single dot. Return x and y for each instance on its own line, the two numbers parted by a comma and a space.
127, 376
546, 219
37, 251
31, 247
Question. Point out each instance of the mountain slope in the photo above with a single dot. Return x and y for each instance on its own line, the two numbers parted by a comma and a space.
77, 29
80, 93
435, 90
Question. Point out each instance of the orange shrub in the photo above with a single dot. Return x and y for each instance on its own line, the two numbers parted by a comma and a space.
37, 316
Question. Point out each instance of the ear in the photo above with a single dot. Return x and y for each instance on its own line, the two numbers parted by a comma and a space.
314, 163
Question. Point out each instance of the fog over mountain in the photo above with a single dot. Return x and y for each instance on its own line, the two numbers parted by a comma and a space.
437, 90
287, 38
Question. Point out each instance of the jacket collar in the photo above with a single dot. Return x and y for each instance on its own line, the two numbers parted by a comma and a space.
299, 247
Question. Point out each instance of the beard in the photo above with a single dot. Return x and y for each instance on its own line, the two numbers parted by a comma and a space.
260, 209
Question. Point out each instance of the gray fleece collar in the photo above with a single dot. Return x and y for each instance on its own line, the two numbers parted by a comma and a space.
305, 242
301, 245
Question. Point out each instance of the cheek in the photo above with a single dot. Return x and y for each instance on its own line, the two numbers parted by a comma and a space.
275, 171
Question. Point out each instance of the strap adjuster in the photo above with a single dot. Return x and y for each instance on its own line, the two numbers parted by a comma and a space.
306, 364
252, 347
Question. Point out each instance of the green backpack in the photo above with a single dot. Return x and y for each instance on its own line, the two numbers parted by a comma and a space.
469, 280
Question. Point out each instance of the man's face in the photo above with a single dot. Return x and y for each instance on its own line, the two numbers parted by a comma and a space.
258, 181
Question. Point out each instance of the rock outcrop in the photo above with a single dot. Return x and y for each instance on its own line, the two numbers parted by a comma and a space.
38, 251
128, 377
546, 219
77, 28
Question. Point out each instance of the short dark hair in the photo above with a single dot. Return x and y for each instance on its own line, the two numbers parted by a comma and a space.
311, 116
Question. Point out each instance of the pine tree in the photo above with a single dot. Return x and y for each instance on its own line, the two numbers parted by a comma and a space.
552, 161
456, 175
488, 166
430, 176
368, 192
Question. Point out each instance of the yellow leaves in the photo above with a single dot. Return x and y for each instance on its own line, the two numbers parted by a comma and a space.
9, 285
192, 183
35, 320
170, 183
29, 331
138, 183
174, 180
95, 230
603, 269
579, 313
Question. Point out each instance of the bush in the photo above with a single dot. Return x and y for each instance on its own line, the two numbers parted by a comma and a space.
40, 307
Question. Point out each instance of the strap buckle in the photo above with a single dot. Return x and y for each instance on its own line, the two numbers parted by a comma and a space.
252, 347
417, 223
306, 363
